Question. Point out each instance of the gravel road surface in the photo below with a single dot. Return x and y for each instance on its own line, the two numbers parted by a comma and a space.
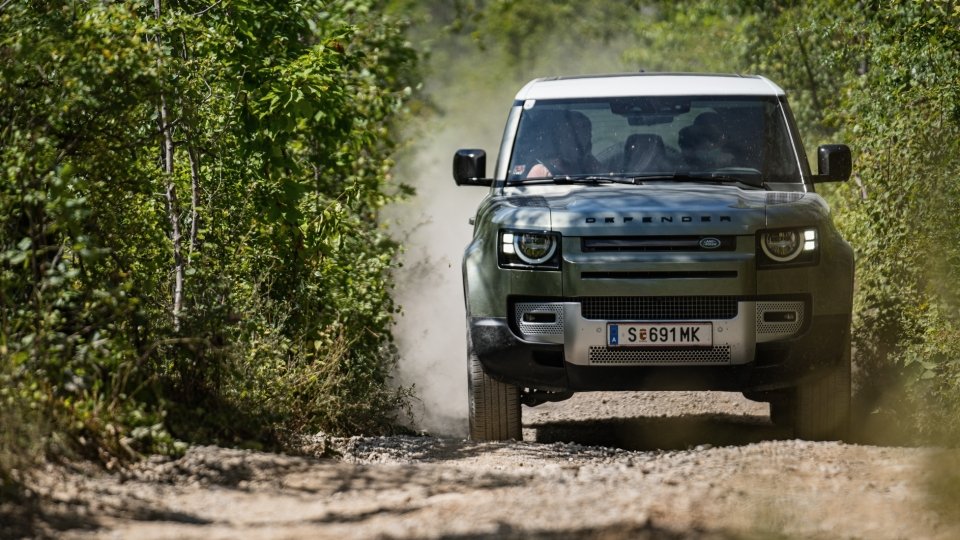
606, 466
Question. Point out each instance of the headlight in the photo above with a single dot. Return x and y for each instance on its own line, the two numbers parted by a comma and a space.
529, 249
782, 246
534, 248
788, 246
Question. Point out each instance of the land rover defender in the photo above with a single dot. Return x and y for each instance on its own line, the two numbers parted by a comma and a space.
656, 232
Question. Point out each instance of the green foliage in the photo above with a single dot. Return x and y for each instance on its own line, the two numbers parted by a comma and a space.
523, 34
886, 79
281, 118
651, 35
689, 36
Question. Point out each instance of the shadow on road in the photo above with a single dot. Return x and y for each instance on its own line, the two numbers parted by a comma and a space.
661, 433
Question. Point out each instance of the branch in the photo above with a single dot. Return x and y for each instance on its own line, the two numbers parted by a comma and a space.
208, 8
860, 184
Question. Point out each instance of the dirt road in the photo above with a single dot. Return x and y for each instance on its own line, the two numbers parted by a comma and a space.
643, 465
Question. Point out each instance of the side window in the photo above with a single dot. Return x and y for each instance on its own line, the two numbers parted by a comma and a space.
781, 163
794, 137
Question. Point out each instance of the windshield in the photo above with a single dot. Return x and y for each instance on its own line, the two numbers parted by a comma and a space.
717, 138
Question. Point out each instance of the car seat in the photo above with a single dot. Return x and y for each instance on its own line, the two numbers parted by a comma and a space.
643, 152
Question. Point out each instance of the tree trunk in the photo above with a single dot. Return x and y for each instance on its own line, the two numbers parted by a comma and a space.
173, 205
173, 211
194, 197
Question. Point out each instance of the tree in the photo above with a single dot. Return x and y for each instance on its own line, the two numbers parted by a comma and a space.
189, 238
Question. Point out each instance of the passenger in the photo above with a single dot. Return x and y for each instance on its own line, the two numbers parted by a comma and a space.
703, 143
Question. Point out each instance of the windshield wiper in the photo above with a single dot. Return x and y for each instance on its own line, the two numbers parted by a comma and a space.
587, 179
717, 178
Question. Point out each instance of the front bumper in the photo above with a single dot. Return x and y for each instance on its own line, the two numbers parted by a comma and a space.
566, 363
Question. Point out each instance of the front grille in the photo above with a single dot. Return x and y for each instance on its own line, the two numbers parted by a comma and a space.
658, 308
634, 357
592, 244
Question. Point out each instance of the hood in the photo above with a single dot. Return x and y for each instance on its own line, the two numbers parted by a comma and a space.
650, 209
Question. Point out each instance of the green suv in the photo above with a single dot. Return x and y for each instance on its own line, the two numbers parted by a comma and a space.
656, 232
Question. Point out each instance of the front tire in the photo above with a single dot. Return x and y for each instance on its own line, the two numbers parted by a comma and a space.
822, 406
494, 406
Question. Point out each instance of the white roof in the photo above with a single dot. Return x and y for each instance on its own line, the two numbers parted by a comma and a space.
649, 84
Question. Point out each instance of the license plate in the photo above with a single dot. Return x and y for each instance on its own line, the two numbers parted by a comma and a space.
660, 334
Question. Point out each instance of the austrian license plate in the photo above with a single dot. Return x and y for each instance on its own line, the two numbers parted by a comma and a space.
660, 334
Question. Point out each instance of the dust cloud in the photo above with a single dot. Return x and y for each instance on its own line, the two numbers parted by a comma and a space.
473, 93
434, 230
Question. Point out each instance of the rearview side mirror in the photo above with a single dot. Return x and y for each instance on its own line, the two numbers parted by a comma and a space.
470, 168
834, 163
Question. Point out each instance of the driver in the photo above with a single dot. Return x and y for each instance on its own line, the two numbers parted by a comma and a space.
569, 135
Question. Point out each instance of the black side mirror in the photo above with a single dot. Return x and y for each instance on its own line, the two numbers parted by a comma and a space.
834, 163
470, 168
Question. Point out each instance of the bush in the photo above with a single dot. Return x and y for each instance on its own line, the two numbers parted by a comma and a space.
189, 245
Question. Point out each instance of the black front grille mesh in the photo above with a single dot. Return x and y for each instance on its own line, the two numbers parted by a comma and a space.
591, 244
658, 308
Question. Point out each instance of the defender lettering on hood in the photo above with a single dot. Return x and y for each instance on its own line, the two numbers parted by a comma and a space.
660, 219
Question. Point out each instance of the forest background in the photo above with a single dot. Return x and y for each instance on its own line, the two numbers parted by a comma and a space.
191, 242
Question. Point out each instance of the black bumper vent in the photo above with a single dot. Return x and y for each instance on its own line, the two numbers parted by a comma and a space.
702, 274
658, 308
